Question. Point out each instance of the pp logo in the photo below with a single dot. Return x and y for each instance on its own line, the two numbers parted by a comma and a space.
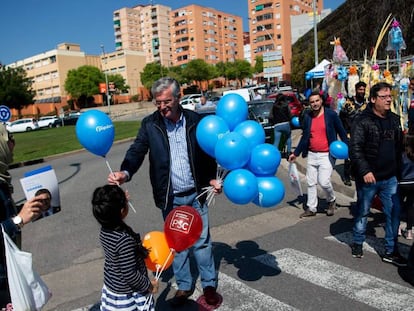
5, 113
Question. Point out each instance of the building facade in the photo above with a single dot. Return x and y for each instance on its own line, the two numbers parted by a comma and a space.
205, 33
270, 32
144, 28
48, 72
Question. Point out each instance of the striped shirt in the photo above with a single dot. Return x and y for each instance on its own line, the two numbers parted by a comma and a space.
181, 176
124, 270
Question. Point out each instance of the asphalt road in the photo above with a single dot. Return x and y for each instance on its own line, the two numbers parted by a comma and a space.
268, 259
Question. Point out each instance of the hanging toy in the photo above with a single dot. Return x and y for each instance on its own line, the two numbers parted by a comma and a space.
353, 79
395, 40
375, 74
340, 102
388, 77
339, 55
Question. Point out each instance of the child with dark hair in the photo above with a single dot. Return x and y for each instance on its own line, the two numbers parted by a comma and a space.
126, 281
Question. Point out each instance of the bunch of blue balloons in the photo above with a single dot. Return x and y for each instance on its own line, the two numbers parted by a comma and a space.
238, 145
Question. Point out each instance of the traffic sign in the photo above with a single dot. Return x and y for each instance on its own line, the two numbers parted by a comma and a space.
5, 113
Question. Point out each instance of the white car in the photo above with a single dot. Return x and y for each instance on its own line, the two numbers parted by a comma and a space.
22, 125
47, 121
189, 103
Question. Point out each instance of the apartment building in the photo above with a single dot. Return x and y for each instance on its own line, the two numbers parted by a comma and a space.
144, 28
129, 64
205, 33
49, 70
270, 31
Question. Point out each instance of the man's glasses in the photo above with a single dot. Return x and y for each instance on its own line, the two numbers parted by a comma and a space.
165, 102
384, 96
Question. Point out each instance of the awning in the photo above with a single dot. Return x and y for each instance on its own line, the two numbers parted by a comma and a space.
318, 71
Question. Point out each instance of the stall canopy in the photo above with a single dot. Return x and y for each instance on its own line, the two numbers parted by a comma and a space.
318, 71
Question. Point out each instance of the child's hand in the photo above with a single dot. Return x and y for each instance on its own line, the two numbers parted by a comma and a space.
154, 284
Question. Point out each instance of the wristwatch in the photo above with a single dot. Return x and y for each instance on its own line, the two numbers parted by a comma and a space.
18, 221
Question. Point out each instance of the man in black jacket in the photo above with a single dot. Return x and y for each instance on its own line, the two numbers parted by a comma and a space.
179, 169
375, 152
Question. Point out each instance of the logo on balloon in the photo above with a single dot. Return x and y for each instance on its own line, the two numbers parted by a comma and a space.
181, 221
182, 227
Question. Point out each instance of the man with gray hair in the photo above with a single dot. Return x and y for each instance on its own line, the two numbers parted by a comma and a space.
179, 170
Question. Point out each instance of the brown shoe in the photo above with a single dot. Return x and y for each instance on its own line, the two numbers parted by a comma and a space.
307, 213
211, 296
331, 208
180, 298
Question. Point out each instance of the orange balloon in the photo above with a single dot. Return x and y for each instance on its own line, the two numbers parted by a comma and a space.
160, 253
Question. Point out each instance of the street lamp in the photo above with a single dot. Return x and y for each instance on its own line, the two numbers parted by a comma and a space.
108, 102
315, 34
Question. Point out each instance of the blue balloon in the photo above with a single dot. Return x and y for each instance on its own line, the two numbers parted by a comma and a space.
232, 151
240, 186
95, 132
209, 130
339, 150
233, 109
295, 121
264, 160
271, 191
252, 131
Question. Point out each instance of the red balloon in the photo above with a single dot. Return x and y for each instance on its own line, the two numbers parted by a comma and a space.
183, 227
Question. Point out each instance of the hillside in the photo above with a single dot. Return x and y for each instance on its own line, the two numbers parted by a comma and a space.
357, 23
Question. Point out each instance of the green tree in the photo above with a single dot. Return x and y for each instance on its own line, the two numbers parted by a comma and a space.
151, 73
258, 66
238, 70
83, 82
176, 72
15, 88
198, 70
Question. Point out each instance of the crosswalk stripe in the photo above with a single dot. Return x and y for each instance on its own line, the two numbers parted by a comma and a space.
239, 296
372, 244
362, 287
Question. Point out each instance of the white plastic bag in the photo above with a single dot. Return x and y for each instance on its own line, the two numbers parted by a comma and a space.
27, 289
295, 179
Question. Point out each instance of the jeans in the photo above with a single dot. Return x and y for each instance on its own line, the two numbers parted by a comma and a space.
387, 192
319, 171
278, 130
202, 250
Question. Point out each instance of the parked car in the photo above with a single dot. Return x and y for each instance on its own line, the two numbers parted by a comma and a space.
47, 121
259, 110
295, 104
22, 125
191, 96
189, 102
71, 118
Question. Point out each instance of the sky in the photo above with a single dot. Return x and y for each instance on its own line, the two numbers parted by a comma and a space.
31, 27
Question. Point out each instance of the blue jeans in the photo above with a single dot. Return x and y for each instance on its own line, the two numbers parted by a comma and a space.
278, 130
202, 250
387, 192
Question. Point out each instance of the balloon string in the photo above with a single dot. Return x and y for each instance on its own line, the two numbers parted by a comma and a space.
209, 190
117, 183
147, 303
159, 271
